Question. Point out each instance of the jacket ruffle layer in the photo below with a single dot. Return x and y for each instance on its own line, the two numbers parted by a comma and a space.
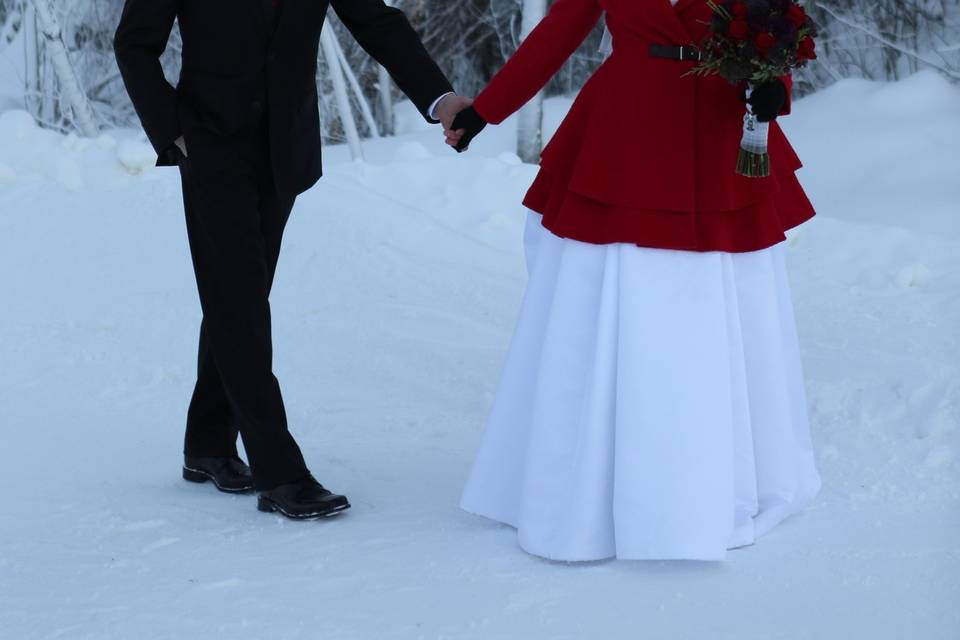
754, 227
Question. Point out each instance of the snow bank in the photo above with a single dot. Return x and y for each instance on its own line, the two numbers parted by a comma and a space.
40, 156
892, 150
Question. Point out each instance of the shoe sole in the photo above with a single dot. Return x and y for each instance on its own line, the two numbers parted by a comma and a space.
200, 477
269, 506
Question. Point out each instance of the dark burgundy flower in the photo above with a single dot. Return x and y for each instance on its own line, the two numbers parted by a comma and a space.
807, 50
785, 32
787, 37
779, 23
739, 10
739, 30
757, 10
796, 15
764, 42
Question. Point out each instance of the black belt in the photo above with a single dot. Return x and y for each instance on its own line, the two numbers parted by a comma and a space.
683, 53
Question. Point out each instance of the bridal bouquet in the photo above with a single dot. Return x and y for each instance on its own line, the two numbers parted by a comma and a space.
756, 41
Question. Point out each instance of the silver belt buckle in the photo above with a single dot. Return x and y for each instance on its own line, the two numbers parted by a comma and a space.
688, 53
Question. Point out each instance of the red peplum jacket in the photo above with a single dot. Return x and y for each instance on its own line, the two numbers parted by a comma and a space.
646, 155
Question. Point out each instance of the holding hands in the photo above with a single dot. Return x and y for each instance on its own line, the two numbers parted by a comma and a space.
448, 107
461, 122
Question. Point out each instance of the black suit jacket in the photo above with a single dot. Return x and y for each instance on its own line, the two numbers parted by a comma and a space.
233, 63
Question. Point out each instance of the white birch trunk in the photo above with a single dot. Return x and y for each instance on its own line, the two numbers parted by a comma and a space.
31, 54
50, 111
357, 91
530, 118
329, 47
72, 91
385, 92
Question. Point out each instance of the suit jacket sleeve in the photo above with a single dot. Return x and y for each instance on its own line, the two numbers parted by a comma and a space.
140, 40
386, 34
540, 56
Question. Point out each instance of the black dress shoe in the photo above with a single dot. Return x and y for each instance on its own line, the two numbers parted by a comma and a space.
231, 474
305, 499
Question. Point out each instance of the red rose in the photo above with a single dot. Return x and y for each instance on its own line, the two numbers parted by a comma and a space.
738, 30
764, 42
797, 15
739, 10
807, 49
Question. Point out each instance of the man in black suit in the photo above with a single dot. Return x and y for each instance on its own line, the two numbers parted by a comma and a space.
243, 127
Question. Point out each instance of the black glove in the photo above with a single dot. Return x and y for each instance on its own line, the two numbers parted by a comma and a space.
472, 124
767, 100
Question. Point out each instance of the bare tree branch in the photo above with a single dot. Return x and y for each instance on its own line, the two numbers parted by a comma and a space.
887, 42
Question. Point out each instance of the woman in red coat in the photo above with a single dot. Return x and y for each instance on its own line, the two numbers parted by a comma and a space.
652, 402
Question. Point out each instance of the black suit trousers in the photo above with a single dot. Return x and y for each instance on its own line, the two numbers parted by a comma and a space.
235, 222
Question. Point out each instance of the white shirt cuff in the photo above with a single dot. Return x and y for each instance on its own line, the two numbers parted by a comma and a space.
432, 112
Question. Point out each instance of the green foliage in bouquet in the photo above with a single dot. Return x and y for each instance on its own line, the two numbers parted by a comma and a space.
756, 40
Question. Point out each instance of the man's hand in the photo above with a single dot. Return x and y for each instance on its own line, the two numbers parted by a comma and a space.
448, 108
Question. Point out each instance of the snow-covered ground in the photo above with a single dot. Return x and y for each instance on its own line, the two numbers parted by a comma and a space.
395, 299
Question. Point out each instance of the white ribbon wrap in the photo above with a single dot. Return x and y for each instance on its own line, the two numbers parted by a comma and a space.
606, 43
753, 160
755, 133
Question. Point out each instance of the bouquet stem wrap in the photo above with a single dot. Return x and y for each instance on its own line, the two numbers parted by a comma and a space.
753, 161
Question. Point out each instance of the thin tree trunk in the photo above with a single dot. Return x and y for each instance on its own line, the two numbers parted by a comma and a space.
530, 118
31, 54
357, 91
385, 92
70, 86
50, 112
329, 46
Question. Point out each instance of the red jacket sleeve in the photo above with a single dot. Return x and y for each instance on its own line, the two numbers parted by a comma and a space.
540, 56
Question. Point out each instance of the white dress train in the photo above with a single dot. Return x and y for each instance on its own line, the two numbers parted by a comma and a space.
651, 406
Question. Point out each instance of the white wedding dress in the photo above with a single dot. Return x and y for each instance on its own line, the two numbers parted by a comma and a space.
651, 406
